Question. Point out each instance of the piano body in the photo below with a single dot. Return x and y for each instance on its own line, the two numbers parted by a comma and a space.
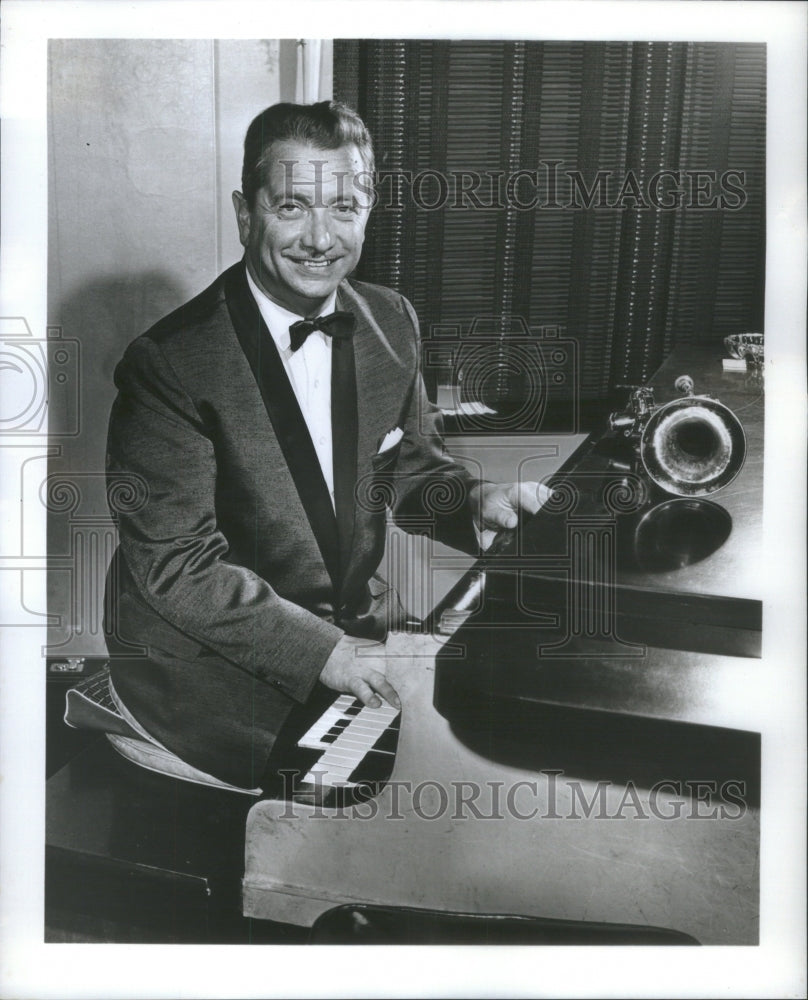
601, 768
454, 831
587, 745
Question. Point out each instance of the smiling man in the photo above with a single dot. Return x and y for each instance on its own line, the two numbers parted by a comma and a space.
266, 417
304, 226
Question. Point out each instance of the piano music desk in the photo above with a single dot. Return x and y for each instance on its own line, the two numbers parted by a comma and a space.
422, 570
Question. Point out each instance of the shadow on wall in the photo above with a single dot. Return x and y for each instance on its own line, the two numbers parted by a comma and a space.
106, 314
102, 317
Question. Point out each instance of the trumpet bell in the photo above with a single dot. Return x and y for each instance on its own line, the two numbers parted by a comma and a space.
693, 446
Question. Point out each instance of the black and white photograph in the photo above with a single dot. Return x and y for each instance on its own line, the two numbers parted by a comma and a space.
403, 442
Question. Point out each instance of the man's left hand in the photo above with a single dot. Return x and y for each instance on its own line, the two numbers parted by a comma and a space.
498, 505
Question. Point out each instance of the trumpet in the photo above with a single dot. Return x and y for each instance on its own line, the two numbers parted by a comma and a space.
690, 447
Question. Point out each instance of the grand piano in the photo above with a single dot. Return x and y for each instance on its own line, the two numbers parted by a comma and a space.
578, 751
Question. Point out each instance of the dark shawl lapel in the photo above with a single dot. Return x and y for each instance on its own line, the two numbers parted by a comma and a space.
344, 436
290, 427
382, 379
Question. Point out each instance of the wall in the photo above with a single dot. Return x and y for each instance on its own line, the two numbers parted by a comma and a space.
144, 151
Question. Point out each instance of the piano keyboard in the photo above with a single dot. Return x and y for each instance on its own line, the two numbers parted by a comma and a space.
95, 688
347, 733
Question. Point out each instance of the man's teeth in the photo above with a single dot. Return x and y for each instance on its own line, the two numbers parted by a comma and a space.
316, 263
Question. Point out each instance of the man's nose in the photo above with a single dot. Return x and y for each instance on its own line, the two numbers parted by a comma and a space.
317, 233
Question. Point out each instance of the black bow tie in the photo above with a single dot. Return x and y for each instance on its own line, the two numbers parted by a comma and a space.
337, 324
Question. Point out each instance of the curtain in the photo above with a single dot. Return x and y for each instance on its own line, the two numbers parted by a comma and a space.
609, 192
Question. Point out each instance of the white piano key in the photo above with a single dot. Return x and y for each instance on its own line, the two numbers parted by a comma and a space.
312, 738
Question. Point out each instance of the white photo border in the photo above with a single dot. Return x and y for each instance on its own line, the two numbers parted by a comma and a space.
777, 966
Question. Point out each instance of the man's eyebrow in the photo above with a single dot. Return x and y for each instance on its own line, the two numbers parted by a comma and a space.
307, 197
290, 194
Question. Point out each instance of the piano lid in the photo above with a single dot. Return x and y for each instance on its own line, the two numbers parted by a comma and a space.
696, 549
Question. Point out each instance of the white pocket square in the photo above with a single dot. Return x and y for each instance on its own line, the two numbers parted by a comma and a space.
391, 439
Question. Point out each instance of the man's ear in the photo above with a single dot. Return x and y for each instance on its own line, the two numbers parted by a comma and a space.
243, 217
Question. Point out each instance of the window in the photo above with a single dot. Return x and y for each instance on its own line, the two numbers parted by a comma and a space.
613, 191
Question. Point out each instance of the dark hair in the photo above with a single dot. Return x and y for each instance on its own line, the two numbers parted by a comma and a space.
327, 125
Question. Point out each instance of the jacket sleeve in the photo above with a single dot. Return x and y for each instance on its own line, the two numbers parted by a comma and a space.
430, 485
173, 547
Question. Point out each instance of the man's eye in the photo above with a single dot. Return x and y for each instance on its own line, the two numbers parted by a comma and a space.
344, 210
289, 210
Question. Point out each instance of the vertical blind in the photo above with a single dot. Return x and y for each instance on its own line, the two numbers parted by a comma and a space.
614, 191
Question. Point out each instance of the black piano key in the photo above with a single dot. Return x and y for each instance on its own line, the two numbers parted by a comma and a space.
388, 741
373, 771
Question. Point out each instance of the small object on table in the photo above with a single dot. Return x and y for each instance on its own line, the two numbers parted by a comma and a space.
746, 347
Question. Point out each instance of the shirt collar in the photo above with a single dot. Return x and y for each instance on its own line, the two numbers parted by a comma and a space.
278, 319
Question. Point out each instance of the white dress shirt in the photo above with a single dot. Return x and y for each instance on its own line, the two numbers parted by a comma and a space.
309, 371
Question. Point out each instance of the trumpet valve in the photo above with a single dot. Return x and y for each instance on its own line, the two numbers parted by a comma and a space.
685, 385
624, 422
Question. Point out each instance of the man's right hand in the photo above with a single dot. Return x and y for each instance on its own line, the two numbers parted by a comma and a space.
356, 668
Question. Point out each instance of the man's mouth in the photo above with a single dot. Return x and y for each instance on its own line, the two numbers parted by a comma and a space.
315, 264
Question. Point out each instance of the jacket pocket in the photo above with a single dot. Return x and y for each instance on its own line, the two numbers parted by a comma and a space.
383, 461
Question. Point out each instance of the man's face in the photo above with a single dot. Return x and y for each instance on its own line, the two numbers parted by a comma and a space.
306, 229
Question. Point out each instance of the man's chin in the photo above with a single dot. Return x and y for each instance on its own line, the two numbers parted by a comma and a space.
316, 288
302, 294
